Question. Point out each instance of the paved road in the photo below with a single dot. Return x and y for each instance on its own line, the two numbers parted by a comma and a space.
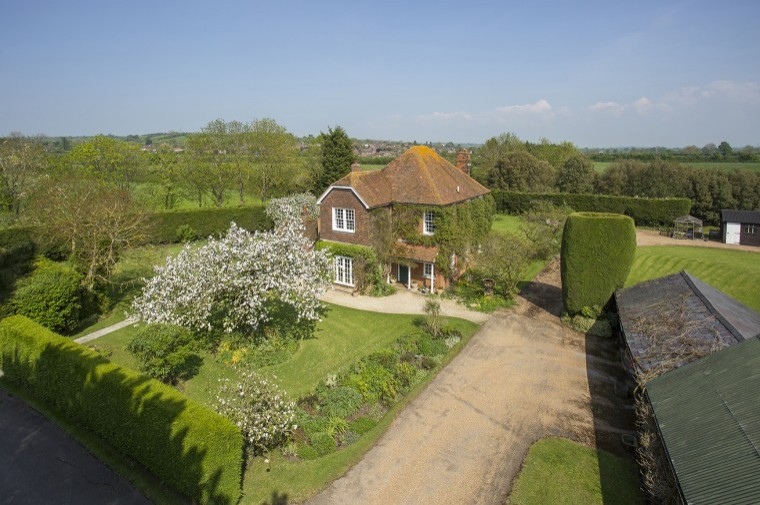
40, 464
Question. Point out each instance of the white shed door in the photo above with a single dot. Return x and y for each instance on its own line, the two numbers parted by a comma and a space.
733, 233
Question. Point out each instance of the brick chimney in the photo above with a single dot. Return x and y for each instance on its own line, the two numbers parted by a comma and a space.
463, 161
355, 167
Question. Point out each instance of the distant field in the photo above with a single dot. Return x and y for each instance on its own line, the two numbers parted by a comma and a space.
736, 273
367, 168
601, 166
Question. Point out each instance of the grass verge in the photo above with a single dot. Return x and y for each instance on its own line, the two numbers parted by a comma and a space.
560, 471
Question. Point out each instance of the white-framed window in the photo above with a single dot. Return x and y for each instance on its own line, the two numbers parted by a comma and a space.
428, 223
344, 220
344, 270
750, 229
428, 270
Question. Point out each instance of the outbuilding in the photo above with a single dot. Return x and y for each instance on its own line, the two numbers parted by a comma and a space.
740, 227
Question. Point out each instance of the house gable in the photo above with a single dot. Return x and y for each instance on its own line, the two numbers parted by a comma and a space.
347, 199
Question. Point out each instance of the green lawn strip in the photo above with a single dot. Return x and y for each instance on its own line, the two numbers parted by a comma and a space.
129, 469
736, 273
507, 224
300, 480
560, 471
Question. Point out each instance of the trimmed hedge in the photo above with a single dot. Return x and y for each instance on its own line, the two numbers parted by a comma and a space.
596, 257
191, 448
16, 245
162, 226
644, 211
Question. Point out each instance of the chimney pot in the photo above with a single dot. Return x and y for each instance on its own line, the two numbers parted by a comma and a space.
355, 167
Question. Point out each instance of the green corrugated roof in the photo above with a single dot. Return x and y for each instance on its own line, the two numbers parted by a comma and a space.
709, 416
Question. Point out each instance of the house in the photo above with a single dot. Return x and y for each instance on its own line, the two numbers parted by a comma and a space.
708, 418
740, 227
419, 182
665, 323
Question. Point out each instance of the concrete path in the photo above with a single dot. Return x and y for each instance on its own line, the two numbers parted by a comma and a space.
522, 377
402, 302
105, 331
40, 464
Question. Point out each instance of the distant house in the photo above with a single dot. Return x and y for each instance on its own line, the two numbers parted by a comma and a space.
740, 227
667, 322
418, 179
708, 418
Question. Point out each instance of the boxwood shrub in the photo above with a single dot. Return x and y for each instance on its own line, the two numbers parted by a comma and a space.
191, 448
596, 257
644, 211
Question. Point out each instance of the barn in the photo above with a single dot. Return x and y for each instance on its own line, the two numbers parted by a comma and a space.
740, 227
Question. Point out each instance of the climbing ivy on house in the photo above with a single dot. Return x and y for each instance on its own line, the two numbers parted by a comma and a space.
367, 269
457, 227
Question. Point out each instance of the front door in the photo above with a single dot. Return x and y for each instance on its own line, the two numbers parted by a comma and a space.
403, 274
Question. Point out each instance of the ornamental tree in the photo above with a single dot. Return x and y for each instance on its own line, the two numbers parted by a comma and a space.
239, 282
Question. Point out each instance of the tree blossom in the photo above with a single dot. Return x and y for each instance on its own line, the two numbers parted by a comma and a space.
236, 281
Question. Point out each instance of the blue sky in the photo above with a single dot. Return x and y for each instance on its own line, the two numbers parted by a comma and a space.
594, 73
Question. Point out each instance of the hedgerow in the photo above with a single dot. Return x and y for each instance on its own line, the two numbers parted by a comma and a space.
644, 211
596, 257
162, 227
192, 449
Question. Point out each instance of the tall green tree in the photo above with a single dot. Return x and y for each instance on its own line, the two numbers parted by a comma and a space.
521, 171
21, 159
337, 157
111, 160
275, 158
576, 175
208, 167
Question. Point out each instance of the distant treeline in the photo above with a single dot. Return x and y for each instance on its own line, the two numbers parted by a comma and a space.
691, 154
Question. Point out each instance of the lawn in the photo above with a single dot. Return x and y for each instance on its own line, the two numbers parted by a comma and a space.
343, 337
736, 273
506, 224
559, 471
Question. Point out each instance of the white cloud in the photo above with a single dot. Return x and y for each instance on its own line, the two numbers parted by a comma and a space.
642, 105
612, 107
539, 107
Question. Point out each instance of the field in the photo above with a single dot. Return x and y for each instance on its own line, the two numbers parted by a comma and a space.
601, 166
737, 273
559, 471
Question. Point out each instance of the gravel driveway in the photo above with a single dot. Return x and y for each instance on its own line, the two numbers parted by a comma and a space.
522, 377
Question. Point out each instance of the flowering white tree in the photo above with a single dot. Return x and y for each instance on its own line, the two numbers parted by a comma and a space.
293, 207
259, 408
238, 281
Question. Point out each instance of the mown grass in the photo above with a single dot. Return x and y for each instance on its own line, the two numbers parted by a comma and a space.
506, 224
601, 166
559, 471
736, 273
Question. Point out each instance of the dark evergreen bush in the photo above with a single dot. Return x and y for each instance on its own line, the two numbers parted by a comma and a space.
51, 295
596, 257
192, 449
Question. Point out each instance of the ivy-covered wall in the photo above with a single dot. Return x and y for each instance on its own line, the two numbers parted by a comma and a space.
457, 227
368, 275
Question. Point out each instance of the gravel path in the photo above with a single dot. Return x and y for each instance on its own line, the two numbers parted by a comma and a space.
402, 302
653, 238
522, 377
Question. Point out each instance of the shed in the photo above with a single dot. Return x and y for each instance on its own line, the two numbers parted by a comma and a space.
667, 322
687, 227
740, 227
708, 417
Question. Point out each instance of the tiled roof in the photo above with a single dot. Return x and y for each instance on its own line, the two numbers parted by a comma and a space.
713, 316
709, 419
740, 216
419, 176
422, 253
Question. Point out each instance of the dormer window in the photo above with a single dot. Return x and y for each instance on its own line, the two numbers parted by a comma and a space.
344, 220
428, 223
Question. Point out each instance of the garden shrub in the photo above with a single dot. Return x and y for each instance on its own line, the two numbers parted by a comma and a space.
322, 443
341, 401
504, 259
349, 438
307, 452
406, 375
165, 352
192, 449
645, 211
597, 255
186, 233
51, 295
162, 227
428, 346
374, 382
362, 425
259, 408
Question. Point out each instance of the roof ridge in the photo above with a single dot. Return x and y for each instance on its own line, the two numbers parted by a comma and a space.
710, 307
